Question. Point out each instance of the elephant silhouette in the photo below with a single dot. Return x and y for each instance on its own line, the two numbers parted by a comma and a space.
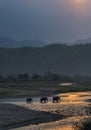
43, 100
29, 100
56, 99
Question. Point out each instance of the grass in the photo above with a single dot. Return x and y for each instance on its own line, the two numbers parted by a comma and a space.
74, 89
12, 92
37, 88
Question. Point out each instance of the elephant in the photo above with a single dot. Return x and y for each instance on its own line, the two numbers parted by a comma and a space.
29, 100
43, 100
56, 99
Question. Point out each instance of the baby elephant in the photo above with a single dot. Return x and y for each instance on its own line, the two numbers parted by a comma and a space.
29, 100
43, 100
56, 99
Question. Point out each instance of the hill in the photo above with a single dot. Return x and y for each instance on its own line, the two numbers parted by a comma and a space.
83, 41
62, 59
10, 43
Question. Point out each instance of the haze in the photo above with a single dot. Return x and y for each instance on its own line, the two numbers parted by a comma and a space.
47, 20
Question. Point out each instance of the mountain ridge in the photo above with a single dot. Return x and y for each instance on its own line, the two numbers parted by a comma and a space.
10, 43
62, 59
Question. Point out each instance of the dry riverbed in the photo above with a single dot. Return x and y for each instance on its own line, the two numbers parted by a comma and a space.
73, 109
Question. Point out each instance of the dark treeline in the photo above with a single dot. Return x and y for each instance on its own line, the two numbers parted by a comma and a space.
46, 77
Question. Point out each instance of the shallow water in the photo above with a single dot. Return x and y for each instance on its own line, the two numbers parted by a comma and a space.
72, 97
72, 107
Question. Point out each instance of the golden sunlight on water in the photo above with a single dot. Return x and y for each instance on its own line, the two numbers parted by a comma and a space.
78, 97
63, 128
73, 106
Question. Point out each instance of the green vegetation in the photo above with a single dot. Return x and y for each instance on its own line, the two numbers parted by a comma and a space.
37, 88
33, 88
12, 92
35, 85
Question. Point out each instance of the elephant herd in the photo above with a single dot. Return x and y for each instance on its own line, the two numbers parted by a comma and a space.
55, 99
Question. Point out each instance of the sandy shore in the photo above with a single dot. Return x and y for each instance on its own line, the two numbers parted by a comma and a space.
50, 116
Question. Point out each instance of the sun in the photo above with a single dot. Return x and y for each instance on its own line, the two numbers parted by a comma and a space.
79, 1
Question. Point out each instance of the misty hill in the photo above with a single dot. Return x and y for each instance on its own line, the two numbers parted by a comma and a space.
10, 43
32, 43
7, 42
61, 59
83, 41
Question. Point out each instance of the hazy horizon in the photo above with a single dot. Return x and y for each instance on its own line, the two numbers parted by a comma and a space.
47, 20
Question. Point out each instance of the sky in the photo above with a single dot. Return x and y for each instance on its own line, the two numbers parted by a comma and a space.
47, 20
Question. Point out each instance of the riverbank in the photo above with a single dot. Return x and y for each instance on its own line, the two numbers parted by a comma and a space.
51, 116
37, 88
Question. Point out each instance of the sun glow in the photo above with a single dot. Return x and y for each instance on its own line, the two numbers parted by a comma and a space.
79, 1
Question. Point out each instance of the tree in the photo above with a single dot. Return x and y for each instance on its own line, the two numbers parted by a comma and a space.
1, 77
11, 78
55, 77
48, 76
35, 77
24, 76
